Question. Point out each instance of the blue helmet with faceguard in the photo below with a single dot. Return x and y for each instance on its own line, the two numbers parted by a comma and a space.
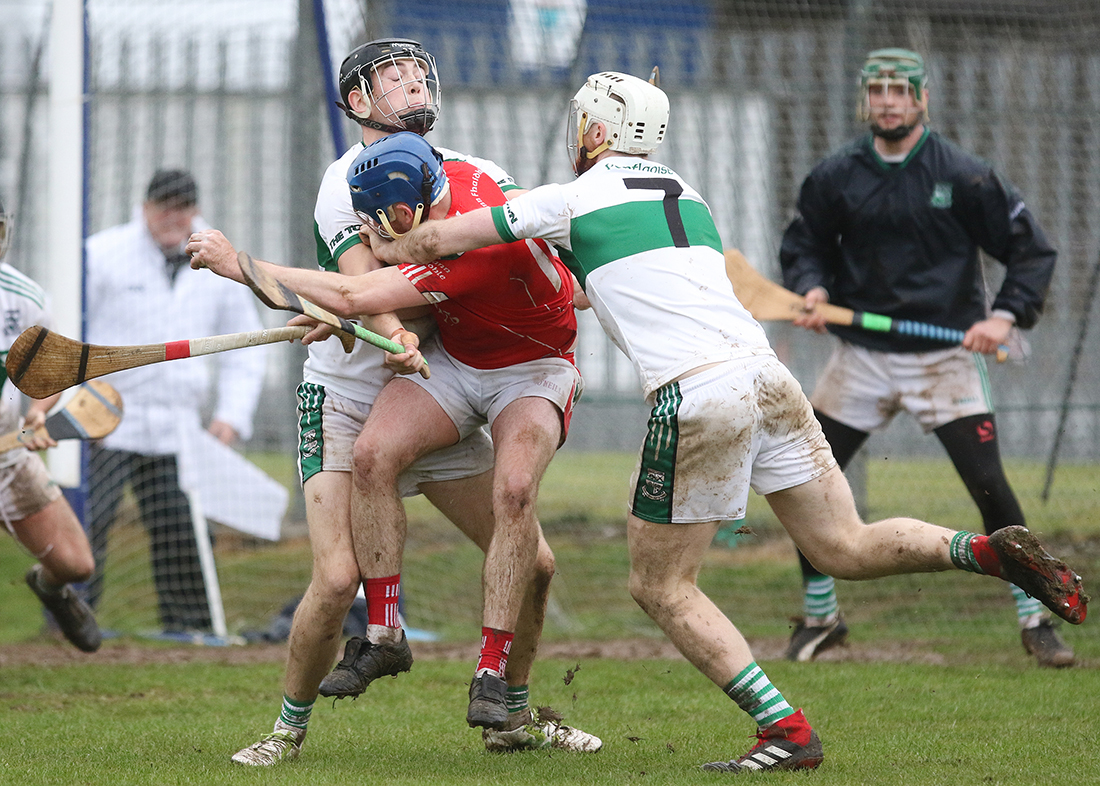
402, 167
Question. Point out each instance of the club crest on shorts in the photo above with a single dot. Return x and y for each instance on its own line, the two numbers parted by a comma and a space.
653, 487
310, 446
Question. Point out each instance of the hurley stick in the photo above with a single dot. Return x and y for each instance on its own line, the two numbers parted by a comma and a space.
275, 294
767, 300
41, 362
92, 413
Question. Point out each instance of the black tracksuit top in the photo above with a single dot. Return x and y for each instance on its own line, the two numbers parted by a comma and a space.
902, 240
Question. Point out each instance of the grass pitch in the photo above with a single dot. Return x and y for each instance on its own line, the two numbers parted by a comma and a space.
880, 723
934, 688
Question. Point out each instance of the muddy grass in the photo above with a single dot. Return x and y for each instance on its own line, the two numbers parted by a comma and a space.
47, 652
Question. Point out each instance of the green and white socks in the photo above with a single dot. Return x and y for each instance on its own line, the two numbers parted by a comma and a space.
516, 698
295, 713
1029, 611
755, 694
819, 603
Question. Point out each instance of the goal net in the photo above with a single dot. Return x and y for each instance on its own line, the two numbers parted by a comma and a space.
238, 94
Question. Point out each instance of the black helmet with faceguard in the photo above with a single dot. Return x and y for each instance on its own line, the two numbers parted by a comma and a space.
418, 84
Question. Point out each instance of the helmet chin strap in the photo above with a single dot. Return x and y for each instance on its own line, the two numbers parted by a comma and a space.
366, 121
389, 227
584, 155
590, 154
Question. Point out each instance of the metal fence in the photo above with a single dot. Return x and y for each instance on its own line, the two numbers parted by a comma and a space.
759, 90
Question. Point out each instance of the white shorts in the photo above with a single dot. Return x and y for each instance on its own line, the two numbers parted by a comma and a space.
713, 435
25, 488
473, 397
865, 390
329, 424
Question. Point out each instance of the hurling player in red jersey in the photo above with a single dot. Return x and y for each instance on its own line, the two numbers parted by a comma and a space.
503, 356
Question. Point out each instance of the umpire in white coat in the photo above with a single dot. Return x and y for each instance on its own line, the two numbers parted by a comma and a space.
141, 290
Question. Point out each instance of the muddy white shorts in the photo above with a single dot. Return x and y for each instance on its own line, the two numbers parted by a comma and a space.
713, 435
329, 424
25, 487
864, 389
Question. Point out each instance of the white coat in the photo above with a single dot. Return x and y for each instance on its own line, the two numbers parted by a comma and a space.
130, 299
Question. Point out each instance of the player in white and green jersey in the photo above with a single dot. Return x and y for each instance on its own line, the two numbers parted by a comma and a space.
727, 415
634, 232
32, 508
386, 86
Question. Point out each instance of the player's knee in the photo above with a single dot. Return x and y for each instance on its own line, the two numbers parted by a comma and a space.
515, 491
648, 591
841, 558
637, 589
331, 599
83, 566
371, 465
336, 585
68, 562
846, 570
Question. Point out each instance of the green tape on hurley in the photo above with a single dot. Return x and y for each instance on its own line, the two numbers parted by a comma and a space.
875, 322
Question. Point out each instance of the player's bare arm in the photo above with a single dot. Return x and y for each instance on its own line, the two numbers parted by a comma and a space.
357, 260
349, 296
580, 299
433, 240
376, 292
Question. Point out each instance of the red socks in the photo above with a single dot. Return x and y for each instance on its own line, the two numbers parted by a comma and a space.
495, 646
382, 598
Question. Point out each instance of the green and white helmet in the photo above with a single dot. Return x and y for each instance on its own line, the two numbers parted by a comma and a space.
886, 67
634, 112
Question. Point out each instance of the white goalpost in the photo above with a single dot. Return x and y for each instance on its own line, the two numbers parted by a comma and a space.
65, 171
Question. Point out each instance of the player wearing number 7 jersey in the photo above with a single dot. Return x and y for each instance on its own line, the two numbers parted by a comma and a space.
726, 415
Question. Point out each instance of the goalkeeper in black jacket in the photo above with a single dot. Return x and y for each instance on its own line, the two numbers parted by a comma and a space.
892, 224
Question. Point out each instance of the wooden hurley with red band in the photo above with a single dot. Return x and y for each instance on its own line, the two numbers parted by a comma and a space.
41, 362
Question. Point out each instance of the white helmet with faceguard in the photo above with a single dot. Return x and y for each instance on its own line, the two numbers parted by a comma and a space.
886, 68
410, 75
634, 112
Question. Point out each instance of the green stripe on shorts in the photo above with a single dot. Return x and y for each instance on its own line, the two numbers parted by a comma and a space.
657, 474
311, 432
983, 375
